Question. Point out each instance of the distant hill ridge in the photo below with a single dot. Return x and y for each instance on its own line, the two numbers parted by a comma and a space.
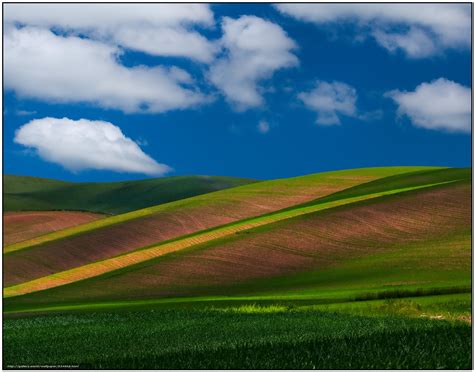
24, 193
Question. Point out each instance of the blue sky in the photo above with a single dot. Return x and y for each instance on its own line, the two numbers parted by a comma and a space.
238, 90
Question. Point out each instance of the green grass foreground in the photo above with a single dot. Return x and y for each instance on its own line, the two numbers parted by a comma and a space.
372, 335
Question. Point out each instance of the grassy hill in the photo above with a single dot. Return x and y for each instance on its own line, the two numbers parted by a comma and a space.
117, 235
22, 193
393, 215
24, 184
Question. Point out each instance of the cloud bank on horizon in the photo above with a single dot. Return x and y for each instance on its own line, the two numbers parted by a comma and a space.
76, 54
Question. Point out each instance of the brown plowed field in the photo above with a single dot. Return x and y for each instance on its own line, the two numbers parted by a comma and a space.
306, 243
169, 222
20, 226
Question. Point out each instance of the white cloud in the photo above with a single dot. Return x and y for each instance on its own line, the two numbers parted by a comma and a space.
415, 42
85, 144
107, 16
253, 50
40, 64
167, 41
263, 127
441, 105
330, 100
419, 30
157, 29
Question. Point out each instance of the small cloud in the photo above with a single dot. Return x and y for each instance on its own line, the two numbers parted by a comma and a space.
263, 127
330, 100
142, 142
86, 144
416, 42
439, 105
25, 113
371, 115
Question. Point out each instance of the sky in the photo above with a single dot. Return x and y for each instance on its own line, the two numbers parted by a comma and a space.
106, 92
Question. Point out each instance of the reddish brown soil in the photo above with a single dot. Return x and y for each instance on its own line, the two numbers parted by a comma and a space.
19, 226
313, 242
109, 241
304, 243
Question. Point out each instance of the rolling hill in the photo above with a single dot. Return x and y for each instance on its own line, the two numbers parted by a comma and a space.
117, 235
337, 235
22, 193
37, 206
364, 268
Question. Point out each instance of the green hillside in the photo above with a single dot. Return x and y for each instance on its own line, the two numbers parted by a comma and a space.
353, 234
22, 193
25, 184
84, 244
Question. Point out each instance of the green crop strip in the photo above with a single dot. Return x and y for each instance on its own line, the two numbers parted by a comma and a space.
325, 298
